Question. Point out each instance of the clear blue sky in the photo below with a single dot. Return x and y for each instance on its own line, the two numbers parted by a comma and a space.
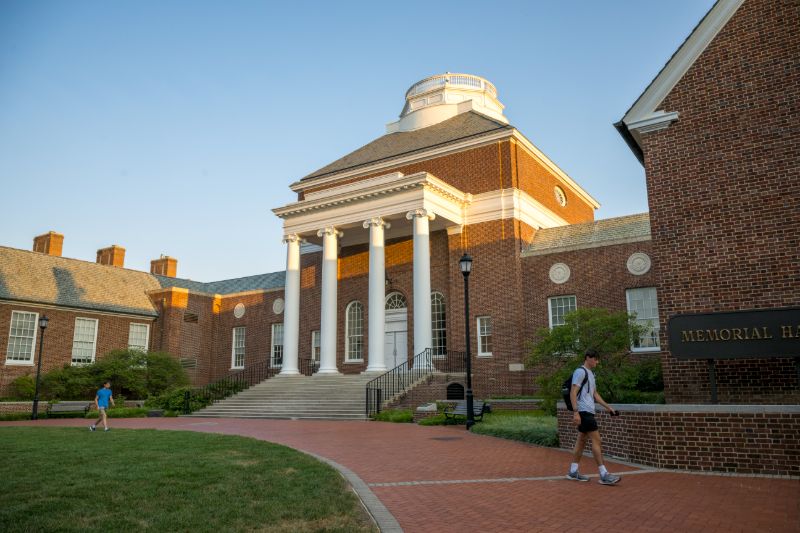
175, 126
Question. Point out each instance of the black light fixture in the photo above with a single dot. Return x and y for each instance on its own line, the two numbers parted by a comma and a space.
465, 263
43, 326
386, 279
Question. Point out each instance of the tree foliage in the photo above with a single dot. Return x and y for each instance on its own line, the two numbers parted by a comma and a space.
557, 352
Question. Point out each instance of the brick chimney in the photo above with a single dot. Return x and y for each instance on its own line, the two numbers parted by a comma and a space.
164, 266
50, 243
113, 255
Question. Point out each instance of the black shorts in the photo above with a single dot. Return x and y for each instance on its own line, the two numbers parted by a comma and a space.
588, 423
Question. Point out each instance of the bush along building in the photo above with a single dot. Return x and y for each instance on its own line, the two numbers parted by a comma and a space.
373, 286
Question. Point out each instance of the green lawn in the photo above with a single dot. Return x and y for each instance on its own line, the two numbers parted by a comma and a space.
70, 479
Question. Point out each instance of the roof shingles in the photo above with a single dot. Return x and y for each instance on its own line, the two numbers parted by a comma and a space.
631, 228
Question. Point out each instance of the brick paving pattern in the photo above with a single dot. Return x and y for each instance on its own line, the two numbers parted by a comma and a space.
440, 479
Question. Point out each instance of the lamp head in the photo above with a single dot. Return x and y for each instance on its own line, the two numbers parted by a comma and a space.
465, 263
43, 322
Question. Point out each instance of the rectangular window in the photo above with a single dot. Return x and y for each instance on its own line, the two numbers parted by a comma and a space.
84, 341
138, 335
277, 346
237, 351
22, 338
315, 345
484, 336
559, 306
643, 303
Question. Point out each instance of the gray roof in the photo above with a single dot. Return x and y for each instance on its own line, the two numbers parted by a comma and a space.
273, 280
39, 278
461, 127
620, 230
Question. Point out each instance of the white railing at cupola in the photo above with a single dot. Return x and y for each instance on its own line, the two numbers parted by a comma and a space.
463, 81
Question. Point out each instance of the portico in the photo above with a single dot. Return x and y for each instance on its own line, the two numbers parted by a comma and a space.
367, 211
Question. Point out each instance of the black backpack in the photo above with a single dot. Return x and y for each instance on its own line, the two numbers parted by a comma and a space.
567, 385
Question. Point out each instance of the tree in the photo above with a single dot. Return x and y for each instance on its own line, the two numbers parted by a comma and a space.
557, 352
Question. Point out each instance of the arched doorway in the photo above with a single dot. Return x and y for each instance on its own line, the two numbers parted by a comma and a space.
395, 346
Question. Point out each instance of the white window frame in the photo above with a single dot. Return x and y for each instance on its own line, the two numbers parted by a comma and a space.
651, 322
21, 362
440, 351
315, 345
146, 336
94, 341
479, 334
275, 346
550, 307
349, 336
242, 332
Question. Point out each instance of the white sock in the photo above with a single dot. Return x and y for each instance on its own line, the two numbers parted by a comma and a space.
573, 468
603, 470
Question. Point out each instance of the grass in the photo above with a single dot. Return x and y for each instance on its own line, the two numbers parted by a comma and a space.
394, 415
535, 427
70, 479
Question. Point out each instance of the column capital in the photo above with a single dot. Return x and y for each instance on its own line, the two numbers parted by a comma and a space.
292, 237
330, 230
376, 221
420, 213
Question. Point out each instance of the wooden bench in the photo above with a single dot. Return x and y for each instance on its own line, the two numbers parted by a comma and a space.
68, 407
460, 409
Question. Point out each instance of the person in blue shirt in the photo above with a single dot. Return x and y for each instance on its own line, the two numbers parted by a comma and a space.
101, 400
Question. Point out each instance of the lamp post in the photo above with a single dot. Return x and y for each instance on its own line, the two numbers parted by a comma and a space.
466, 267
43, 326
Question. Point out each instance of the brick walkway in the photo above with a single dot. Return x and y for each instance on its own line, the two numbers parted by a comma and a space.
440, 479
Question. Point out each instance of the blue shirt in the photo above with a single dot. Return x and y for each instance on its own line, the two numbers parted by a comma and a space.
102, 397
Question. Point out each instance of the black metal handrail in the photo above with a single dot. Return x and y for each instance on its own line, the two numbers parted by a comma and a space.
404, 376
236, 382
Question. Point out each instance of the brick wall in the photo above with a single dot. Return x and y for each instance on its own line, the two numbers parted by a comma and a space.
112, 334
742, 439
725, 196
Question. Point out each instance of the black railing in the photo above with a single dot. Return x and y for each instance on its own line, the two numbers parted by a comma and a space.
236, 382
402, 377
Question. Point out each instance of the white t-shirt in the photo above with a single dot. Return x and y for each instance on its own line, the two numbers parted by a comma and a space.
586, 394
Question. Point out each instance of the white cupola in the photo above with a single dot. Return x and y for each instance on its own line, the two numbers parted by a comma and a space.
444, 96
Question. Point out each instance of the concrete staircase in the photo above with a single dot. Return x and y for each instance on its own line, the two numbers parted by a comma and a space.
320, 397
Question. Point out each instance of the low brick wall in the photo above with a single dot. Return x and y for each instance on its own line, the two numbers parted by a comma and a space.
27, 407
746, 439
514, 405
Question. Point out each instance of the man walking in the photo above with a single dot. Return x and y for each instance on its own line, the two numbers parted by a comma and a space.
583, 395
101, 400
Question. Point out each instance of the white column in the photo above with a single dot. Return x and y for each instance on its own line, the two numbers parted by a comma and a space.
422, 279
291, 310
330, 252
377, 300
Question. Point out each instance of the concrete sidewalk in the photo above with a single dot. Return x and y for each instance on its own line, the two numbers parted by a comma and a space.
441, 479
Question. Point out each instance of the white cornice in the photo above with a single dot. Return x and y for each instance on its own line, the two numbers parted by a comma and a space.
657, 121
511, 203
647, 104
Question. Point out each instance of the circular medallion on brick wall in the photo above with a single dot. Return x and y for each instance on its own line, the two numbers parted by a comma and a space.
639, 263
238, 311
277, 306
561, 197
559, 273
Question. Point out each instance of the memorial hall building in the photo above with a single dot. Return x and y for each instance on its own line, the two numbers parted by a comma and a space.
373, 243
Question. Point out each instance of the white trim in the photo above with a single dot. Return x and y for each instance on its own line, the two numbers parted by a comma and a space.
511, 203
35, 305
478, 334
233, 346
318, 345
347, 333
146, 336
272, 345
14, 362
647, 104
432, 153
94, 341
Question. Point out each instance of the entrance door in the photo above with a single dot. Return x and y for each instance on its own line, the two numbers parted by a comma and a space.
395, 346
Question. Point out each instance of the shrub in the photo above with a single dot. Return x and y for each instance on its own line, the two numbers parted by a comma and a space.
440, 420
24, 387
120, 412
8, 417
394, 415
175, 400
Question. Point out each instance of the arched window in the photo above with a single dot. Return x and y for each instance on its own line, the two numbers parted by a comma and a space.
354, 340
396, 301
438, 325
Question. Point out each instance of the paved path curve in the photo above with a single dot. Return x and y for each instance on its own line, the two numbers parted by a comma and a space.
443, 479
